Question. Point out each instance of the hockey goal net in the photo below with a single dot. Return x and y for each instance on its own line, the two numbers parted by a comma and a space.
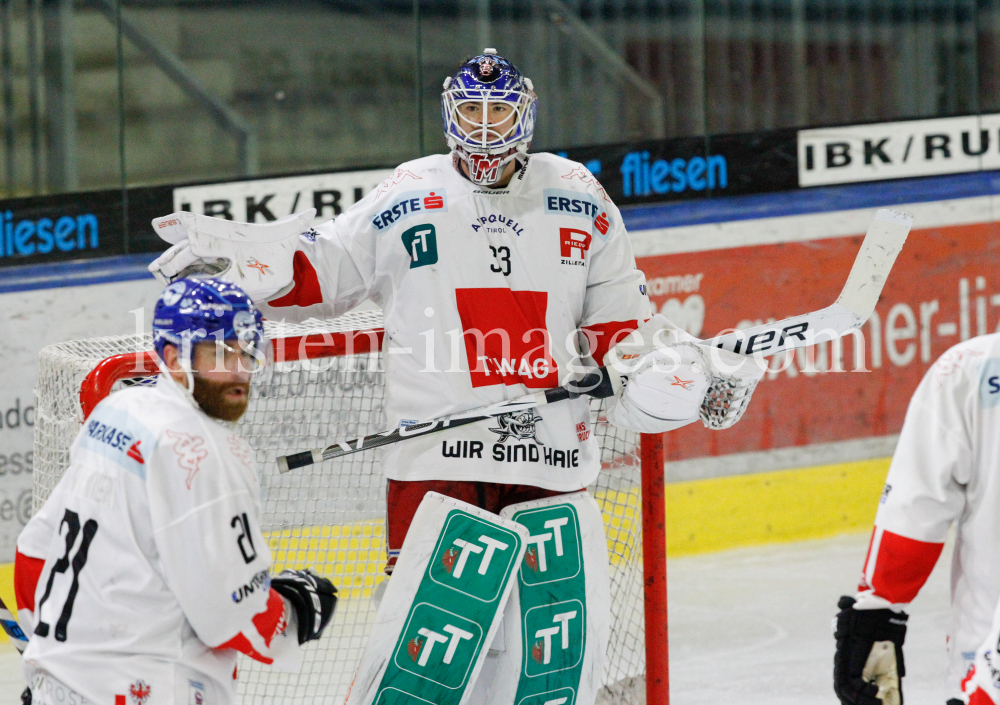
328, 385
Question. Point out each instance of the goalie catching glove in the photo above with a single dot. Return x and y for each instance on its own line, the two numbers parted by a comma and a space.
313, 598
256, 257
868, 665
664, 378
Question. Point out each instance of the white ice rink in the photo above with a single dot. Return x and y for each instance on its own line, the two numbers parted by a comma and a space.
752, 626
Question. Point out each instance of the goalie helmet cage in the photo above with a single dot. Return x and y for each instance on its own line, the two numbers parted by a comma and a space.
327, 384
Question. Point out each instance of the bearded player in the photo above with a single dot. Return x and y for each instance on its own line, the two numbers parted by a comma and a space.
944, 471
145, 572
499, 273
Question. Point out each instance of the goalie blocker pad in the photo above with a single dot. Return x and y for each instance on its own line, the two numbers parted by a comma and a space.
557, 621
441, 608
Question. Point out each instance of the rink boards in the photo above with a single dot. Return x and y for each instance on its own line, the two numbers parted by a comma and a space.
811, 432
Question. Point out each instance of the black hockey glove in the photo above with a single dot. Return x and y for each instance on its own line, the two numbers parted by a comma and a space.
857, 632
314, 599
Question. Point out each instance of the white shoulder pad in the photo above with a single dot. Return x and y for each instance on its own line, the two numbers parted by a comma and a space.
259, 254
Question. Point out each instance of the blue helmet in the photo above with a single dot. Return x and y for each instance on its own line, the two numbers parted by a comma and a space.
487, 147
194, 309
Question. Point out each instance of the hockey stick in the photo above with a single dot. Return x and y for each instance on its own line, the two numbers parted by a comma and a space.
595, 384
9, 623
852, 308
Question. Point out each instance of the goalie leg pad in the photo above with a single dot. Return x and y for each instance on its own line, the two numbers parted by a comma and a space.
442, 607
557, 621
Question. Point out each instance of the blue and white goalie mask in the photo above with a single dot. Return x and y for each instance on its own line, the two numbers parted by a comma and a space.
193, 310
489, 113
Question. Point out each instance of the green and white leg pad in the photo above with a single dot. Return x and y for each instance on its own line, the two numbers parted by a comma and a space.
442, 607
557, 620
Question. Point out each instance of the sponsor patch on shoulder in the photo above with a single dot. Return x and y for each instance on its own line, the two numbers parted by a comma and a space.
408, 204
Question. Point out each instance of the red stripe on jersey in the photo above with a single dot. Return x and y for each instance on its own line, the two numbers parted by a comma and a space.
506, 341
243, 645
968, 677
980, 697
306, 291
902, 566
607, 336
119, 700
267, 621
27, 570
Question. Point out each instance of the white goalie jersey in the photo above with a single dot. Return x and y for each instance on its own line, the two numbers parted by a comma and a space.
487, 294
146, 570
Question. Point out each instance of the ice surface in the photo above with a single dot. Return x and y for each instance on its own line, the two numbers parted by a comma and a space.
753, 625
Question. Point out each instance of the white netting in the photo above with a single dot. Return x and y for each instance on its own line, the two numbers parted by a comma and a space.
331, 515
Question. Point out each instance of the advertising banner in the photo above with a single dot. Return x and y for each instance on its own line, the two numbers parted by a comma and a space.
688, 168
72, 226
262, 200
944, 288
896, 150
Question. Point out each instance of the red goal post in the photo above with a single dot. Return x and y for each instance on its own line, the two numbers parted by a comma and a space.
326, 386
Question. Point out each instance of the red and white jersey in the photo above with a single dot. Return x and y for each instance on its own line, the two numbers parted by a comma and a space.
946, 469
145, 570
484, 293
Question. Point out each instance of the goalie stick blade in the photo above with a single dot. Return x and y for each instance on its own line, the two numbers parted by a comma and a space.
853, 307
879, 250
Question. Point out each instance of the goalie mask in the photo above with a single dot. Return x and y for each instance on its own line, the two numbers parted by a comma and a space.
489, 113
191, 310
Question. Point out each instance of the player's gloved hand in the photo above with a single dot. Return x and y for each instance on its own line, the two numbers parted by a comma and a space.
314, 599
868, 665
664, 378
179, 262
256, 256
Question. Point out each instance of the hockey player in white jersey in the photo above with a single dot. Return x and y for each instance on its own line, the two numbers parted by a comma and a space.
145, 572
498, 272
946, 469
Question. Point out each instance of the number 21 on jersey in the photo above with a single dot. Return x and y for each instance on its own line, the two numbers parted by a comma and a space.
71, 521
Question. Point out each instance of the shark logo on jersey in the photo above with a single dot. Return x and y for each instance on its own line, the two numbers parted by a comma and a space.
517, 425
190, 452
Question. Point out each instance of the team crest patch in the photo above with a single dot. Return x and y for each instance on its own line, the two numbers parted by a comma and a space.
139, 691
